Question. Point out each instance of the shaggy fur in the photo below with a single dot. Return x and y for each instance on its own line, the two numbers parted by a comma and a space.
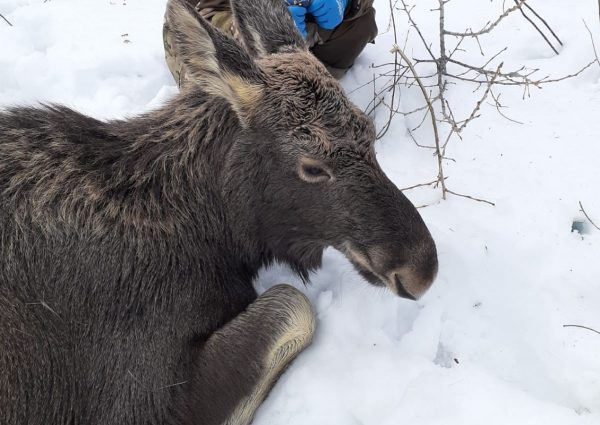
126, 244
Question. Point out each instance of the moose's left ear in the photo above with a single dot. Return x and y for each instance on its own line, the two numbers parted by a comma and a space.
266, 26
213, 61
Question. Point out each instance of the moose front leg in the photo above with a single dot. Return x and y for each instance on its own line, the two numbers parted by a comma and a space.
240, 363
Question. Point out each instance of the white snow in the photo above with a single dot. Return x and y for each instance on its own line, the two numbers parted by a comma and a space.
486, 344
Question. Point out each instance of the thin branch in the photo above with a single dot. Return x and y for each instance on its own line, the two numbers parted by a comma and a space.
6, 20
415, 26
566, 77
592, 39
419, 185
537, 28
489, 26
511, 76
387, 125
434, 125
471, 197
498, 106
581, 327
374, 96
528, 83
587, 216
417, 143
485, 95
544, 22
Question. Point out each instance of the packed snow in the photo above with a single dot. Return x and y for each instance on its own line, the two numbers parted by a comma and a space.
486, 344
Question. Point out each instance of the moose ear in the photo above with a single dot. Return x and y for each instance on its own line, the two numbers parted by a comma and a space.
213, 61
266, 27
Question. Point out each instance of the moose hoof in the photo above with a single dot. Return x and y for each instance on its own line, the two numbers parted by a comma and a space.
294, 327
287, 323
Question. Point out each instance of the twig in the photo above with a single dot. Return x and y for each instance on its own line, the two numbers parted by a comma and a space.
438, 151
485, 95
537, 28
498, 105
566, 77
526, 83
587, 216
489, 26
471, 197
582, 327
6, 20
416, 27
395, 50
417, 143
592, 39
544, 22
419, 185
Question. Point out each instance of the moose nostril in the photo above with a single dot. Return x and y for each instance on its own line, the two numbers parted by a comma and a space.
401, 290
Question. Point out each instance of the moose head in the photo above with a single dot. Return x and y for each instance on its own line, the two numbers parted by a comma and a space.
302, 173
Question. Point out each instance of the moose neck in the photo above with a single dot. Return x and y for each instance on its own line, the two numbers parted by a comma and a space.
200, 132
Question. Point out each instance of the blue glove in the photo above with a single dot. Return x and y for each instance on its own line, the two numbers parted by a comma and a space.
299, 16
328, 13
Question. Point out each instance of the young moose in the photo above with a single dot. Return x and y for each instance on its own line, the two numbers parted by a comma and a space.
128, 248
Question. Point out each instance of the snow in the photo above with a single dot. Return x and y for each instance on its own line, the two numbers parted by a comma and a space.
486, 344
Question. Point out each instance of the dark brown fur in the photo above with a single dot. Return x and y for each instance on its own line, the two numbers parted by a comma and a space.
126, 244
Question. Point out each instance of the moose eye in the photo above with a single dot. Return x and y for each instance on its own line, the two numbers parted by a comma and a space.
313, 172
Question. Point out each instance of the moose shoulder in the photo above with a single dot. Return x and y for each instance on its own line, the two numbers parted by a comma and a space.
129, 248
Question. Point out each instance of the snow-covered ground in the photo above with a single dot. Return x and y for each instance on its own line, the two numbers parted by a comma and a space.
486, 345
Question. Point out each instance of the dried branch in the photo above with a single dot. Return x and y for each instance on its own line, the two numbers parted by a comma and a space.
489, 26
587, 216
395, 50
499, 107
416, 27
566, 77
537, 28
6, 20
544, 22
471, 198
525, 83
516, 76
581, 327
478, 105
592, 38
419, 185
441, 179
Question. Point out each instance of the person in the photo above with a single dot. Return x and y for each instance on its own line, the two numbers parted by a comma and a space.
336, 31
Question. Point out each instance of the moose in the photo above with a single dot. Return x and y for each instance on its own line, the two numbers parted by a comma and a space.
129, 247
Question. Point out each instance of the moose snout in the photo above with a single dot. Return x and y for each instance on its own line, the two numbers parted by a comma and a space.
415, 277
409, 283
408, 278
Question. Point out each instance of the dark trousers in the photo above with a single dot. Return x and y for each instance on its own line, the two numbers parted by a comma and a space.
339, 48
